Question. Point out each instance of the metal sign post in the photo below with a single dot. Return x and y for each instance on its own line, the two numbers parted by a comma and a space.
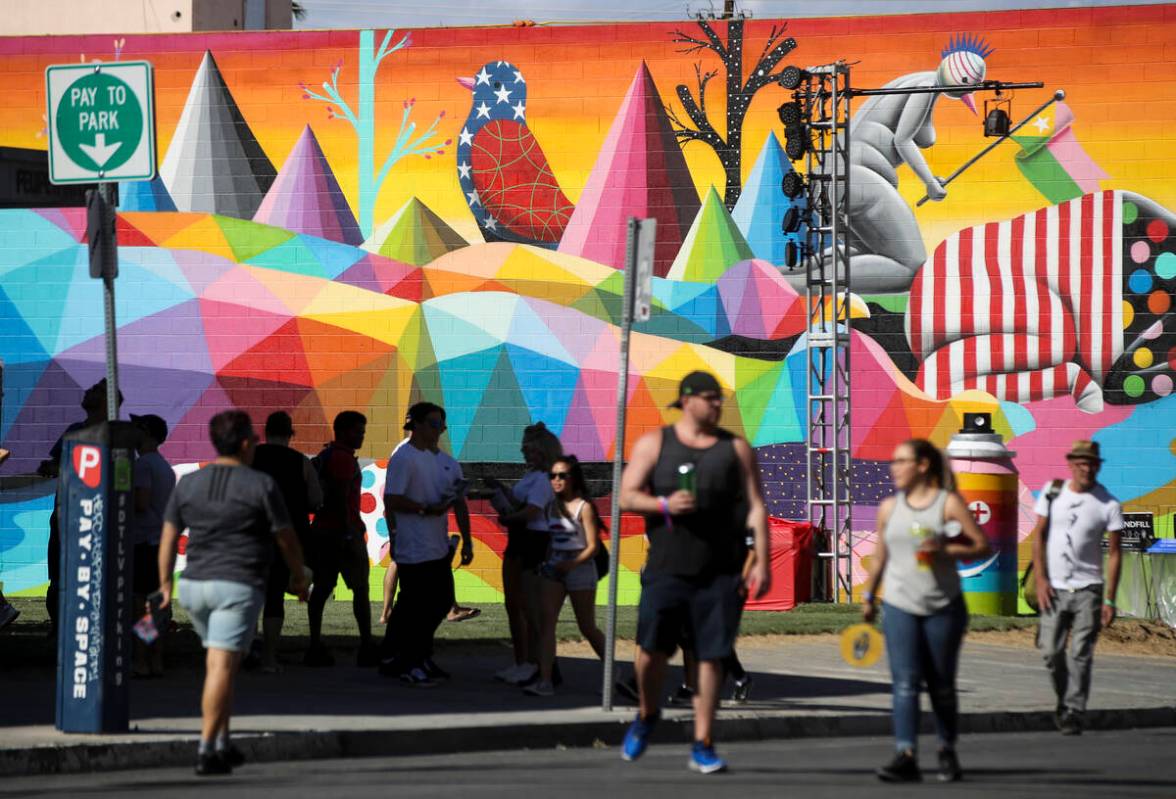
101, 128
639, 249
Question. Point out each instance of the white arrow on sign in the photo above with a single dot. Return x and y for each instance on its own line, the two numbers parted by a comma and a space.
100, 151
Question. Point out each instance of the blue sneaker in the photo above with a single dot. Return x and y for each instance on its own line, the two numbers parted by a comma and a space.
704, 760
637, 738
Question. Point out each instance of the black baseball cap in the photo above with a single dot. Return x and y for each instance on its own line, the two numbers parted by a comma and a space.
155, 426
421, 411
696, 383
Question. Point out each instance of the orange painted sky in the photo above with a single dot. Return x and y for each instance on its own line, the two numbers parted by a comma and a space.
1117, 65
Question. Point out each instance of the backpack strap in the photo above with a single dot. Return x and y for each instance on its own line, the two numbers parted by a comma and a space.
1055, 488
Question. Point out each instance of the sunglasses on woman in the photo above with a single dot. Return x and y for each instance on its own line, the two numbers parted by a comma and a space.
558, 475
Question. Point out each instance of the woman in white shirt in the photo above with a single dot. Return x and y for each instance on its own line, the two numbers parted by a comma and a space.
524, 512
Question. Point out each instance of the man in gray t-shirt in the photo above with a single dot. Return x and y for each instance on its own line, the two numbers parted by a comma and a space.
233, 515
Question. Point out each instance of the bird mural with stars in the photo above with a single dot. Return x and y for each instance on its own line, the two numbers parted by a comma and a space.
503, 172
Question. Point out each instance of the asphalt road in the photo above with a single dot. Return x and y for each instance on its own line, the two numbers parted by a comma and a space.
1099, 764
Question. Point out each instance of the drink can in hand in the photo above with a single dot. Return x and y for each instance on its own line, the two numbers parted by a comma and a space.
686, 480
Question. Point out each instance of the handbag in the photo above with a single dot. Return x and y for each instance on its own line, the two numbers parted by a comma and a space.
601, 560
1029, 578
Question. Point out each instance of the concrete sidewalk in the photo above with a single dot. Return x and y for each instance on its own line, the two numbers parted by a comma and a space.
802, 688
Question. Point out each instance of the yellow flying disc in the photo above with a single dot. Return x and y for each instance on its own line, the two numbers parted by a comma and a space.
861, 645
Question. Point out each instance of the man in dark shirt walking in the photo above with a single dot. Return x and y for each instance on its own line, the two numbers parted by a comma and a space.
233, 514
299, 485
699, 489
336, 543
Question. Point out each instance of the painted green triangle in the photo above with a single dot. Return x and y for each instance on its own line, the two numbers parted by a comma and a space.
250, 239
501, 416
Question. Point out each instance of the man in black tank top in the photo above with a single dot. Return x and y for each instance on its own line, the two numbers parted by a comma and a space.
698, 487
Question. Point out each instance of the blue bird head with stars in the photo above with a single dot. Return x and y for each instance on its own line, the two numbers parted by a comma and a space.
499, 92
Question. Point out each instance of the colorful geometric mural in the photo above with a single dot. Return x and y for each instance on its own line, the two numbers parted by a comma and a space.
472, 259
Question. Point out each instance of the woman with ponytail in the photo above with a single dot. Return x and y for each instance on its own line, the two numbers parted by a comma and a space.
923, 615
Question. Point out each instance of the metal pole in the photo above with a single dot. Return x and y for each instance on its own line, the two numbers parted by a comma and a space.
110, 257
1058, 95
987, 86
614, 555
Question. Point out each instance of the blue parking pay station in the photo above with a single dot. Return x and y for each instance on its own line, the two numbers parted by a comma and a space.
94, 646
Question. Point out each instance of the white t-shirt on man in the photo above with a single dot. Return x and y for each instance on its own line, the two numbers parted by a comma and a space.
427, 478
1073, 546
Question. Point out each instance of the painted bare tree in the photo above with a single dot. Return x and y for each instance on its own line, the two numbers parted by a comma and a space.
363, 120
728, 146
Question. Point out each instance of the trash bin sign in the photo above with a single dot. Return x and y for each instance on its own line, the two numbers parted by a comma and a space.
94, 614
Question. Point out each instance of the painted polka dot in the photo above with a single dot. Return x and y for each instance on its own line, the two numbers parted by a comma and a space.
1143, 357
1133, 386
1157, 230
1128, 314
369, 478
1153, 332
1130, 213
1140, 252
1166, 265
367, 503
1140, 281
1162, 385
1159, 302
382, 526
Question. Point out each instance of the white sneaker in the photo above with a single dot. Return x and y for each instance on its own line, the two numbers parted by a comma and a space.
540, 688
508, 674
525, 673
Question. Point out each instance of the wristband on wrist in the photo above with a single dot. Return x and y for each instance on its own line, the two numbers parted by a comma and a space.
868, 596
1110, 603
664, 504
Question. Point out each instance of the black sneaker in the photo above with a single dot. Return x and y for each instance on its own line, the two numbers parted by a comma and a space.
682, 695
232, 755
628, 689
318, 656
949, 766
1070, 724
211, 764
368, 656
742, 690
433, 671
904, 768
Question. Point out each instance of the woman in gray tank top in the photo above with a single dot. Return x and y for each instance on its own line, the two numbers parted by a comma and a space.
924, 616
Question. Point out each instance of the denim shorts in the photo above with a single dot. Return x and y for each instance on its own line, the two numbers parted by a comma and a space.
581, 578
223, 612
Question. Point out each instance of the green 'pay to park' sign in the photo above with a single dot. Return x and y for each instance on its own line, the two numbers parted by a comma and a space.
101, 122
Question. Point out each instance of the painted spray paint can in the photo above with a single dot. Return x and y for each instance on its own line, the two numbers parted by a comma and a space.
988, 481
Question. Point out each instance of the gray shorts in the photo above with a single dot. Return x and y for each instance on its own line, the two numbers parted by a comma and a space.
223, 612
581, 578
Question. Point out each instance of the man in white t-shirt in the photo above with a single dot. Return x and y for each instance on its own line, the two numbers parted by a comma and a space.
420, 487
1067, 559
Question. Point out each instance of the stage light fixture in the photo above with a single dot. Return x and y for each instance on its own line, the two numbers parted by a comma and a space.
997, 123
789, 113
792, 185
791, 221
796, 141
792, 76
792, 254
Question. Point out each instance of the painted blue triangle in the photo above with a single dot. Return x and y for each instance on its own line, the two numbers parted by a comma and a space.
20, 380
548, 385
144, 195
18, 342
39, 292
762, 205
28, 237
501, 416
463, 383
334, 256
